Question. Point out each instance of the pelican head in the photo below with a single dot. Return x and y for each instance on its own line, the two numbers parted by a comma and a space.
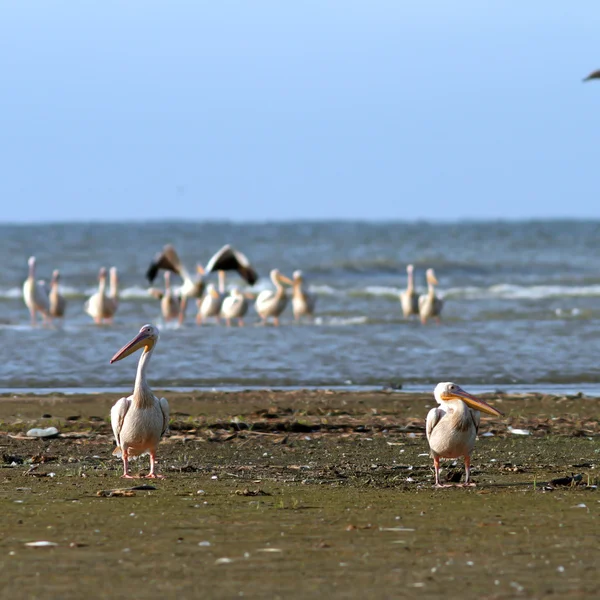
410, 269
298, 276
212, 290
55, 275
102, 273
31, 261
431, 279
146, 338
449, 392
278, 277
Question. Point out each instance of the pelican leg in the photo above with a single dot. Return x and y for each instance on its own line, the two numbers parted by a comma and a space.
468, 482
182, 308
126, 474
276, 321
153, 474
436, 466
198, 319
240, 322
228, 322
32, 313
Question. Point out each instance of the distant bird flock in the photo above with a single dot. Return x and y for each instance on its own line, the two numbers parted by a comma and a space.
213, 302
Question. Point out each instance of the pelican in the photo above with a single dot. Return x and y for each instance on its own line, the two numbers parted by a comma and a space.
409, 298
168, 259
57, 300
430, 306
452, 427
169, 301
271, 303
100, 306
140, 420
210, 305
303, 303
230, 259
234, 306
35, 294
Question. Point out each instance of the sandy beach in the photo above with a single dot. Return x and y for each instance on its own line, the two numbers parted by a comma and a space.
326, 492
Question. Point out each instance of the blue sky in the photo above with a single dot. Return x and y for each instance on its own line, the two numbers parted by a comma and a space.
270, 110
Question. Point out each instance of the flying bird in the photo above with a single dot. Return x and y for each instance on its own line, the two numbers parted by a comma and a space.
230, 259
593, 75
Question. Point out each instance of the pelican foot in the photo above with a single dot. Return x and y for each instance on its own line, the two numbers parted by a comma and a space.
470, 484
128, 476
154, 476
443, 485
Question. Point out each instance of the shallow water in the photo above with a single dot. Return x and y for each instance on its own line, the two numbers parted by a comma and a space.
522, 306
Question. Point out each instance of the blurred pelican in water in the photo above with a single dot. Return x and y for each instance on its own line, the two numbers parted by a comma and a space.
303, 303
168, 259
452, 427
113, 293
409, 299
140, 420
430, 306
271, 303
99, 305
210, 305
169, 301
57, 300
35, 294
235, 306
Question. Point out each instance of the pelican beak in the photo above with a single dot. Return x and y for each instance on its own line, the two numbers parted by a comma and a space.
200, 270
285, 279
214, 293
136, 343
432, 279
473, 402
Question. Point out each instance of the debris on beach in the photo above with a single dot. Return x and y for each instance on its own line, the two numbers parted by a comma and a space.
41, 544
46, 432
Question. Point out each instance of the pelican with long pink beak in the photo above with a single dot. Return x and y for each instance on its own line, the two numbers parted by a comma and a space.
271, 303
452, 427
140, 420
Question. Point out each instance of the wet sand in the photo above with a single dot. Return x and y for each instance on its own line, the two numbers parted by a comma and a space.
300, 494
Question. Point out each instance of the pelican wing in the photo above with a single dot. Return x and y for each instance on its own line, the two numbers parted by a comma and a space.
422, 301
164, 407
476, 416
167, 259
593, 75
230, 259
434, 416
117, 416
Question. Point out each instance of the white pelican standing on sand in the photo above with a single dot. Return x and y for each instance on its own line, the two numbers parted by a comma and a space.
35, 294
235, 306
57, 300
452, 426
271, 303
99, 305
169, 301
430, 306
168, 259
409, 299
140, 420
303, 303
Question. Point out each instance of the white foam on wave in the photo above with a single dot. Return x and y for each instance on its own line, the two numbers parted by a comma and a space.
506, 291
359, 320
380, 290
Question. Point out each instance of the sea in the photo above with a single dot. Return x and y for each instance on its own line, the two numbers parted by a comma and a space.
521, 307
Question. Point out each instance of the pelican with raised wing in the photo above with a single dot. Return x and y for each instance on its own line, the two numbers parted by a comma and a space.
303, 303
168, 259
235, 306
57, 300
271, 303
409, 299
452, 427
140, 420
99, 305
35, 294
230, 259
430, 306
